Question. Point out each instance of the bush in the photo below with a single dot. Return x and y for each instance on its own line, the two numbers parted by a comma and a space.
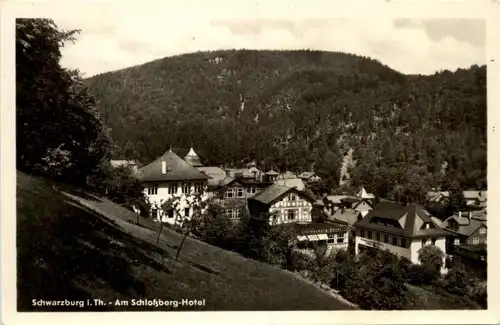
419, 274
373, 282
431, 258
300, 262
463, 283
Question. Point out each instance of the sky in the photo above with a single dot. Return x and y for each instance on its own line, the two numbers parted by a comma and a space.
114, 38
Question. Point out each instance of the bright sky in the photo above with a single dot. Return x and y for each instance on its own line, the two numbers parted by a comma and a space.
118, 36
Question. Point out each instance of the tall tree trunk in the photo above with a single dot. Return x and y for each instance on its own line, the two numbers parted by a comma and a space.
182, 243
159, 231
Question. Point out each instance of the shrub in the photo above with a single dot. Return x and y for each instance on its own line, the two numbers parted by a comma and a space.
300, 262
431, 257
419, 274
373, 282
462, 282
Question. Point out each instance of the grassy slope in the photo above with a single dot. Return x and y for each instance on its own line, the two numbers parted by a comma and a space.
429, 297
67, 251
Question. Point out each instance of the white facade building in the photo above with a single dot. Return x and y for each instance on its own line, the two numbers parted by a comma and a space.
403, 230
171, 179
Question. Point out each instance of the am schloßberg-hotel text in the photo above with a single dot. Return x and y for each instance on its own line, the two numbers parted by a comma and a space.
122, 303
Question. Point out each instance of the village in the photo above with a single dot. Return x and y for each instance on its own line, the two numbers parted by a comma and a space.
247, 179
355, 223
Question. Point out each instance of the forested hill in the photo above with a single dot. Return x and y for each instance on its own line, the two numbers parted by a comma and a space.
297, 109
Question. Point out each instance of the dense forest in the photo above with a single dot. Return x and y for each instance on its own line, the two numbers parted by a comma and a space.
299, 110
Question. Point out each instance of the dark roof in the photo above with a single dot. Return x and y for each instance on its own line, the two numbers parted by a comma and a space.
217, 174
466, 227
348, 215
407, 220
478, 248
228, 180
271, 193
274, 192
177, 170
349, 199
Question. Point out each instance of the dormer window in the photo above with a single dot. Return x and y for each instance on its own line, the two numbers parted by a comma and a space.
427, 225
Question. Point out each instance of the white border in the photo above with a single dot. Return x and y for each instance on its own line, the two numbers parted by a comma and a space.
250, 9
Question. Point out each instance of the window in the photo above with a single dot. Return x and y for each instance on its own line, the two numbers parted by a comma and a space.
172, 189
475, 241
457, 241
386, 238
239, 192
198, 188
424, 241
291, 214
233, 213
230, 193
369, 234
340, 237
186, 188
403, 242
377, 235
171, 213
153, 190
482, 231
293, 197
394, 240
154, 213
253, 190
433, 241
362, 233
186, 212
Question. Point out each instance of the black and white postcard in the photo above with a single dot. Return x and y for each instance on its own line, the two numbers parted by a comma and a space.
281, 162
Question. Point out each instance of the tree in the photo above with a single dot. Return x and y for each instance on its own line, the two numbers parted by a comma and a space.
374, 282
265, 242
432, 260
59, 129
324, 264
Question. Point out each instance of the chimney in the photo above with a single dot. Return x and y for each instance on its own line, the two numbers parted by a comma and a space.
469, 214
163, 167
460, 214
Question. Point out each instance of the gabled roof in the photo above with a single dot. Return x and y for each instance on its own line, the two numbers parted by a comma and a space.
472, 195
217, 174
348, 215
364, 195
287, 175
362, 202
292, 182
336, 199
411, 218
306, 175
435, 196
274, 192
466, 226
242, 172
177, 170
